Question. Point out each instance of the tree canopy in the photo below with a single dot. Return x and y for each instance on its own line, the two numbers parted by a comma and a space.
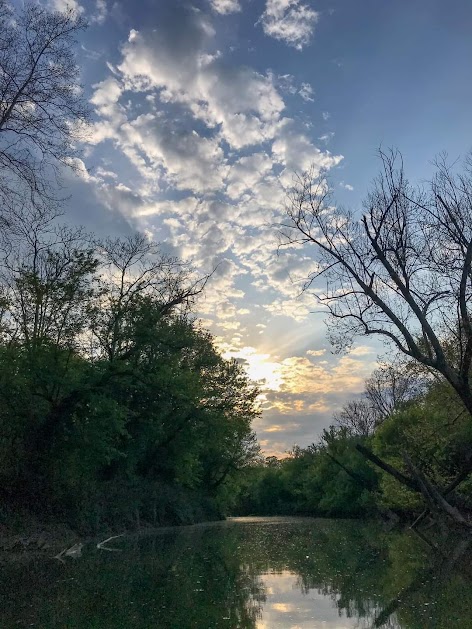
114, 403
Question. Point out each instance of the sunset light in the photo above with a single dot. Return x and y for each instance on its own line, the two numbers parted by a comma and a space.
235, 284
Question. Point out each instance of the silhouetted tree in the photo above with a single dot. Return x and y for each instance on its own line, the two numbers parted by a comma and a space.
42, 109
401, 271
358, 417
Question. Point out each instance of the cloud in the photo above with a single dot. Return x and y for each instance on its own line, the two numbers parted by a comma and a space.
211, 158
295, 150
64, 5
316, 352
346, 186
326, 137
289, 21
225, 6
306, 92
247, 172
297, 380
107, 93
282, 427
299, 396
191, 161
101, 12
176, 62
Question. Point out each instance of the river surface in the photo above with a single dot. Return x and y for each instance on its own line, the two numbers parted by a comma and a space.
261, 573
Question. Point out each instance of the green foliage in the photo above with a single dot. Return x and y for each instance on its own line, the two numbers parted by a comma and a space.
115, 406
436, 433
330, 479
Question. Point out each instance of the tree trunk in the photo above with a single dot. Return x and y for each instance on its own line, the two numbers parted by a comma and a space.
432, 496
401, 478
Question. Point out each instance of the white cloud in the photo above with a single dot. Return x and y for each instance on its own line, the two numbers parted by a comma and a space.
306, 92
286, 83
326, 137
64, 5
242, 102
101, 12
246, 172
295, 150
225, 6
180, 113
289, 21
106, 94
190, 160
346, 186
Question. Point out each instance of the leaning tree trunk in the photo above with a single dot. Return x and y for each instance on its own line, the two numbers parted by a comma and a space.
419, 483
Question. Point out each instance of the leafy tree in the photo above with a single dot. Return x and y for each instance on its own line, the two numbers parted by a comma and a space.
46, 272
114, 404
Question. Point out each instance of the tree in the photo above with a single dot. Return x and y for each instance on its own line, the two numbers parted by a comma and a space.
358, 417
388, 389
42, 109
403, 270
114, 403
136, 272
46, 272
391, 386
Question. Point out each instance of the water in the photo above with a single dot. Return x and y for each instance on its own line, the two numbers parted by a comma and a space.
261, 573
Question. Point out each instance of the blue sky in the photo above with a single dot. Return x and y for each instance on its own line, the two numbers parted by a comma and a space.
202, 113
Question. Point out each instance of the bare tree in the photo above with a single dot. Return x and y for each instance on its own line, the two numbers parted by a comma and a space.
135, 269
42, 109
403, 270
391, 386
358, 417
46, 272
387, 390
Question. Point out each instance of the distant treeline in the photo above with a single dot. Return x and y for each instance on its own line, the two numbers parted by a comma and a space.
115, 405
405, 414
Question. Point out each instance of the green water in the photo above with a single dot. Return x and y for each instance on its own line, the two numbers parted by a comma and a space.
264, 573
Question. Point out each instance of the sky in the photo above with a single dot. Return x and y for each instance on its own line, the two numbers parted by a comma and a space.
203, 111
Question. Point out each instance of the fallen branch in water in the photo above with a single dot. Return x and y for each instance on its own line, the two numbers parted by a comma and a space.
73, 551
101, 545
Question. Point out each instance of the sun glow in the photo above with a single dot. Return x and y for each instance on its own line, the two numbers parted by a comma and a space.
267, 373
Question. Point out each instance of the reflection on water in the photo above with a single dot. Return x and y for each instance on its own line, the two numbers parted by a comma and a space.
288, 606
261, 573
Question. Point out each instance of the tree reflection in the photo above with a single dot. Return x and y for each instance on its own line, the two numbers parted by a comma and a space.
213, 576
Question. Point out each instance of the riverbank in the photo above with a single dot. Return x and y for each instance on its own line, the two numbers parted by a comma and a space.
29, 536
36, 538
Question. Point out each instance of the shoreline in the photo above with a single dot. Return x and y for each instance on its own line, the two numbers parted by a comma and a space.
57, 540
